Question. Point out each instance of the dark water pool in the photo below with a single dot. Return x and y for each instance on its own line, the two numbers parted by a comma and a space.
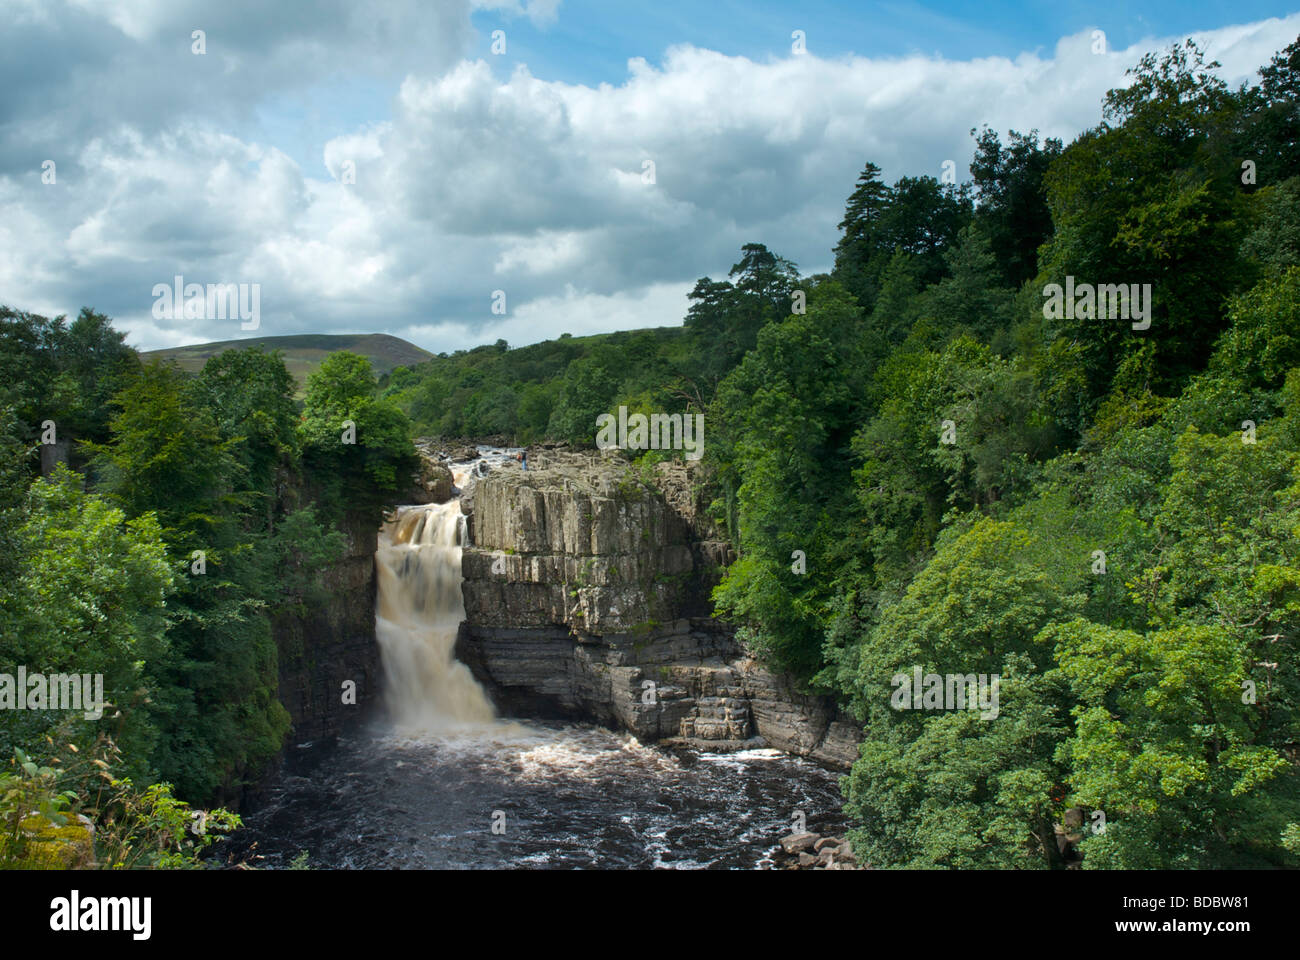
559, 796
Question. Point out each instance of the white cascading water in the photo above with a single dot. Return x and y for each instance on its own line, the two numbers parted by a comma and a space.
420, 609
432, 779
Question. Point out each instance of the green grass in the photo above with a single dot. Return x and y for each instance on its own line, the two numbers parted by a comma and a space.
304, 354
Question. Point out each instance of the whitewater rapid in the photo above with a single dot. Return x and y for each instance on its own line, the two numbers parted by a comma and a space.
443, 782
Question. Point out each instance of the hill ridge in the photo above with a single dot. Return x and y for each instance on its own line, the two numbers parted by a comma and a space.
304, 352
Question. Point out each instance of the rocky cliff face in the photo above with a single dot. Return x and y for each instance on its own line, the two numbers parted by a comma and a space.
328, 644
333, 642
586, 596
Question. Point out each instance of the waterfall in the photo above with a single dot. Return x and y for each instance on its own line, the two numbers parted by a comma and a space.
420, 609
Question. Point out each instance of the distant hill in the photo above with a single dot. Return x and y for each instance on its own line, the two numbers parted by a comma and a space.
304, 353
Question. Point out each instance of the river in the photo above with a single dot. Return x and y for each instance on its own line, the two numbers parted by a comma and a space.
442, 782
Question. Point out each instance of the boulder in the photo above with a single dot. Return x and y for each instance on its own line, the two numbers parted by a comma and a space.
432, 483
799, 842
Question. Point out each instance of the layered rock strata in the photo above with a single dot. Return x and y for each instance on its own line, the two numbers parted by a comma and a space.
587, 596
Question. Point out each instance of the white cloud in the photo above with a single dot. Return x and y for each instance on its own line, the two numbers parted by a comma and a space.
581, 312
541, 12
548, 252
535, 187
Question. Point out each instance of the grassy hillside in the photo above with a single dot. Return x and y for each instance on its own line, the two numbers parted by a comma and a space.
303, 354
551, 389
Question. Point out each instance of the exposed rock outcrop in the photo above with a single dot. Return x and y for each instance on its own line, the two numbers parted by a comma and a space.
327, 644
585, 545
433, 481
812, 851
587, 596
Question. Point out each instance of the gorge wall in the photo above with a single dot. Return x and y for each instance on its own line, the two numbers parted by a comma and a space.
330, 642
586, 596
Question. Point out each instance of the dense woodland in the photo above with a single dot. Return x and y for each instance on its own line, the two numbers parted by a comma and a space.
1114, 528
200, 508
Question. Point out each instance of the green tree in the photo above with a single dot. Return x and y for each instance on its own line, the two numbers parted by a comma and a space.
961, 789
1013, 212
362, 443
785, 418
1150, 196
588, 391
85, 595
250, 395
858, 246
971, 298
215, 704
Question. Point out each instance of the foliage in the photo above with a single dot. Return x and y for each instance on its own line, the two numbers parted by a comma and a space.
73, 812
917, 469
360, 440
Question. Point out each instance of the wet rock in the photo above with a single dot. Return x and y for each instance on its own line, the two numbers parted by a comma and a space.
798, 723
587, 596
799, 842
433, 483
332, 639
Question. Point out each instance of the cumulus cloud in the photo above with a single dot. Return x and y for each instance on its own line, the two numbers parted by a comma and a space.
71, 69
573, 311
472, 183
541, 12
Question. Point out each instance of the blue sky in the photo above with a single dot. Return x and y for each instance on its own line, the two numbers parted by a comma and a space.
520, 173
591, 41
